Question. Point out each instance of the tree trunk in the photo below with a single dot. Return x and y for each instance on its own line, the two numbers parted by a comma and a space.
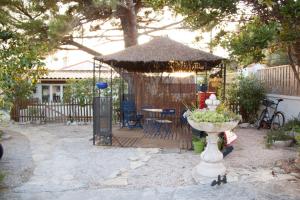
127, 13
294, 58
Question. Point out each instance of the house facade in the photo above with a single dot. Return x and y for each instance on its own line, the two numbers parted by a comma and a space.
51, 86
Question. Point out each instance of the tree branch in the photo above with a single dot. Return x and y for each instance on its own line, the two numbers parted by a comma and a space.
67, 49
292, 63
81, 47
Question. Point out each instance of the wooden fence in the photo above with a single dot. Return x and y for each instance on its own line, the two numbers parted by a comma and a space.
33, 110
280, 80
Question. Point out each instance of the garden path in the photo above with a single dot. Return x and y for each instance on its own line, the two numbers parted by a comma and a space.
61, 164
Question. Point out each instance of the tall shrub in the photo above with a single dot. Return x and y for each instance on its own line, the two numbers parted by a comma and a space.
248, 93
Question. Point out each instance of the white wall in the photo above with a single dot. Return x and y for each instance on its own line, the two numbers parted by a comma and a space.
290, 105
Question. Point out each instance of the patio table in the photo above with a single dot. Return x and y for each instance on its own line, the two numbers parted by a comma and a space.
154, 110
157, 123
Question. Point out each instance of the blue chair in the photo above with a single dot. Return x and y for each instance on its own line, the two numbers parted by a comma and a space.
130, 117
164, 125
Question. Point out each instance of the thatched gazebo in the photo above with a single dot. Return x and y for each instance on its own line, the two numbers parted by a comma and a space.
143, 67
161, 55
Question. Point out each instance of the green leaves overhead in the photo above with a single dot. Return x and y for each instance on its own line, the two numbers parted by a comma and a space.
247, 45
20, 65
262, 24
60, 26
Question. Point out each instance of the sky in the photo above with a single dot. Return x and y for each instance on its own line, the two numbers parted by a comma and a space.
110, 41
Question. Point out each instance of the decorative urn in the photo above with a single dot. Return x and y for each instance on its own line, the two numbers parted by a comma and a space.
211, 159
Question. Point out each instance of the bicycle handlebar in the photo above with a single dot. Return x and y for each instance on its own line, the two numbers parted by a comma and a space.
269, 103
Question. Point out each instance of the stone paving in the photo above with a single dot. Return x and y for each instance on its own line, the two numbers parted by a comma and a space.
59, 162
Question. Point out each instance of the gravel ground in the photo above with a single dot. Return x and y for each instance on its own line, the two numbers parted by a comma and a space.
62, 163
17, 164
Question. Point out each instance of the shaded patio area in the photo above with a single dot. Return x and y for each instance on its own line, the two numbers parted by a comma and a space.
159, 79
137, 138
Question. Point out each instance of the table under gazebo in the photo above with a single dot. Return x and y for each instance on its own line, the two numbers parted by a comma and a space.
157, 76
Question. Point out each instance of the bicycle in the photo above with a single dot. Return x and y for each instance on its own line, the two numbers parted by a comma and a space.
275, 121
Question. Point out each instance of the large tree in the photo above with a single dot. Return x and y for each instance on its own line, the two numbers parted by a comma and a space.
20, 66
56, 21
263, 25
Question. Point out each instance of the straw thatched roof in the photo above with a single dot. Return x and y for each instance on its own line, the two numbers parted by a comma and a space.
161, 55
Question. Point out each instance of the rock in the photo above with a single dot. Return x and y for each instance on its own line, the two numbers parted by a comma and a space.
136, 164
134, 158
278, 170
118, 181
297, 175
115, 174
146, 158
244, 125
6, 137
282, 144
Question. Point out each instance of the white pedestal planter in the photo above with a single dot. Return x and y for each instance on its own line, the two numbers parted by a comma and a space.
211, 164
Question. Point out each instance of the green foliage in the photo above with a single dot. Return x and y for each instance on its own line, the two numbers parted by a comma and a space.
277, 135
20, 66
247, 92
277, 58
213, 116
268, 25
52, 21
81, 90
248, 44
2, 176
198, 144
60, 26
292, 125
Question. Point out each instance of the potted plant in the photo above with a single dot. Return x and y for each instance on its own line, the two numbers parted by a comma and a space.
198, 144
279, 138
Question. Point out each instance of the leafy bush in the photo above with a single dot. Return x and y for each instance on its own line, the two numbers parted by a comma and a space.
293, 124
247, 92
82, 91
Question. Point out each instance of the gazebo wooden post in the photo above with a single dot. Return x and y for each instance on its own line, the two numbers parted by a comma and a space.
224, 80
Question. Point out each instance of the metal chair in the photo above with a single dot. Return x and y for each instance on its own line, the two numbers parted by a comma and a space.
164, 125
148, 122
130, 117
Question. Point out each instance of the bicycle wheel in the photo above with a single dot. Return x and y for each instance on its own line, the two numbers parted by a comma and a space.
278, 121
1, 151
261, 119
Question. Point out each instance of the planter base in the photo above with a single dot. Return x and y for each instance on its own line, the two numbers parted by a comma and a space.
211, 161
210, 169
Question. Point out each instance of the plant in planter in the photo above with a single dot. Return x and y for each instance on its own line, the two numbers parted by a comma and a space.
293, 127
212, 122
279, 138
